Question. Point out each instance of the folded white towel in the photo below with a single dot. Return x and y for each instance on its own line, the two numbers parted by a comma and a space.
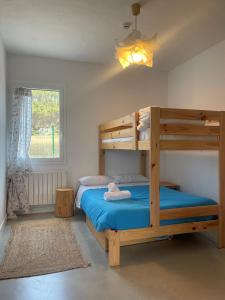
144, 120
108, 196
143, 126
144, 123
145, 109
144, 114
144, 135
112, 187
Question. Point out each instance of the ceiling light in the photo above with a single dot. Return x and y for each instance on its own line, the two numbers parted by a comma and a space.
135, 49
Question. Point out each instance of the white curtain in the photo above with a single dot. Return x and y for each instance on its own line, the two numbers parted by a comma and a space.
19, 164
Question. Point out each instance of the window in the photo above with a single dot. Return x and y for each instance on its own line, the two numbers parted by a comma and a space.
46, 127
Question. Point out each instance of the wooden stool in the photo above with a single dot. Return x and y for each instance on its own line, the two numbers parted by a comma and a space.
64, 204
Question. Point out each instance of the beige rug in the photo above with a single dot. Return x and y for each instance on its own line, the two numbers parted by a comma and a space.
41, 247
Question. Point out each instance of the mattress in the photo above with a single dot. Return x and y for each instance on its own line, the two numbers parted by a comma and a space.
116, 140
83, 188
143, 136
134, 213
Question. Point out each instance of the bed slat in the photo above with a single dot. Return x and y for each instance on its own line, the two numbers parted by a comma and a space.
144, 145
150, 232
124, 121
117, 134
118, 146
181, 145
189, 129
189, 114
188, 212
188, 145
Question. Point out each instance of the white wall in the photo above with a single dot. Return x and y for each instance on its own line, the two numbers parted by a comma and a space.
2, 135
198, 83
92, 94
96, 93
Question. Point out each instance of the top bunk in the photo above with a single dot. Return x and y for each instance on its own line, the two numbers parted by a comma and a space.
175, 129
119, 134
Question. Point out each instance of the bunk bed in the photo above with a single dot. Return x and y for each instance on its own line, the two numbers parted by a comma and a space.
169, 129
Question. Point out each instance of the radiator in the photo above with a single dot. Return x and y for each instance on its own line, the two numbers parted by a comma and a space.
41, 186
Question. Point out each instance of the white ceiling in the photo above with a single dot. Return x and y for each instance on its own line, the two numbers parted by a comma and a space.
85, 30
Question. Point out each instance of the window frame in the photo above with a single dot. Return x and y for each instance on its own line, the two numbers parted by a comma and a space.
61, 158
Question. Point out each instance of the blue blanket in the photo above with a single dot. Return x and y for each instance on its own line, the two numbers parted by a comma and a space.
134, 212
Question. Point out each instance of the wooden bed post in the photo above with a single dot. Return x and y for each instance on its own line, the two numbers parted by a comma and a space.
134, 129
101, 162
221, 238
143, 161
143, 154
114, 248
154, 167
101, 156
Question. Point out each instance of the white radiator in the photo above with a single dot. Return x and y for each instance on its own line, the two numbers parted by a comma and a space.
41, 186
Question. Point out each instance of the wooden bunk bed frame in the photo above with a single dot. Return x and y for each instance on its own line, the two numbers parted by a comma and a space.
112, 240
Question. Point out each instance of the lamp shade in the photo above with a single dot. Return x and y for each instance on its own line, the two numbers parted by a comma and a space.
140, 52
136, 49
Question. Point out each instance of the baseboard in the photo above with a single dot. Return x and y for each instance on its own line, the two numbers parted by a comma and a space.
34, 209
2, 225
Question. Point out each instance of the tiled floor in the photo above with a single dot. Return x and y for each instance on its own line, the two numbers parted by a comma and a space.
188, 267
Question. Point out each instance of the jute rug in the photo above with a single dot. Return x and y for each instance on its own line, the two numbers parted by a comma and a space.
41, 247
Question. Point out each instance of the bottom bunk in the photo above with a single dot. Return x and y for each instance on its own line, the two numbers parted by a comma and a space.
124, 222
112, 240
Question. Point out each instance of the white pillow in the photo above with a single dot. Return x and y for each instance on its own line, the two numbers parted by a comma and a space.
95, 180
130, 178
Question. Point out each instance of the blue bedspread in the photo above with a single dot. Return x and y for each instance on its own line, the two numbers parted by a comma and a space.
134, 212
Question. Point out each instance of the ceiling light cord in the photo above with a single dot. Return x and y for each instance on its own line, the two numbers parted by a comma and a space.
135, 22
